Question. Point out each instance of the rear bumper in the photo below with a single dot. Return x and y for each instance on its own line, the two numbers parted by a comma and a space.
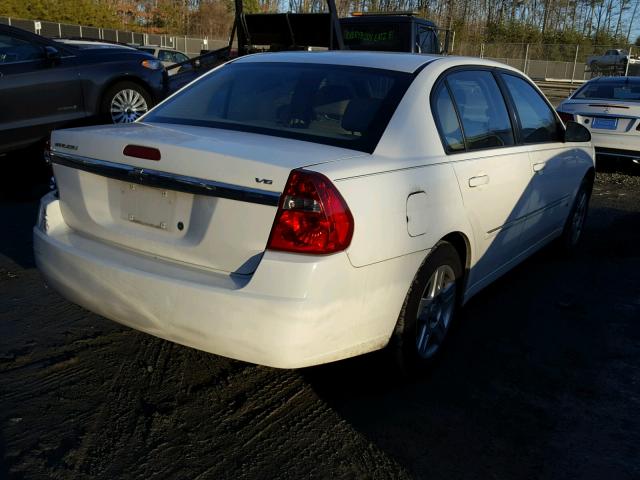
611, 144
294, 311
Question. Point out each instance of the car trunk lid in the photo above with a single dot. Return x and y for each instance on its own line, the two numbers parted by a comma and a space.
209, 201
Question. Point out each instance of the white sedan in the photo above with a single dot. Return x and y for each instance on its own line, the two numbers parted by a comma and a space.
610, 108
292, 209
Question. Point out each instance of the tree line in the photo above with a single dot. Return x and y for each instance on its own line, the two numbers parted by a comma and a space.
593, 22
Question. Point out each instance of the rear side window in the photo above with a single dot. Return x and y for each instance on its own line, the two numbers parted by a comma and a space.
484, 115
447, 120
537, 121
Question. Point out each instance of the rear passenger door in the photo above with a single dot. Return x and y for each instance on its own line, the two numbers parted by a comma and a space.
551, 160
493, 172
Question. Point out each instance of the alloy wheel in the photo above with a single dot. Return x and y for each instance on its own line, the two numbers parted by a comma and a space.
127, 106
435, 311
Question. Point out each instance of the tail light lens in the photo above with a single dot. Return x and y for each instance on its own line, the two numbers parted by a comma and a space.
312, 216
565, 117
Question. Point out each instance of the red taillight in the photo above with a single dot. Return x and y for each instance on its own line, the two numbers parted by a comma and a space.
312, 216
138, 151
565, 117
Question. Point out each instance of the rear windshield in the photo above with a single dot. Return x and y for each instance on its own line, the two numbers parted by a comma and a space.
342, 106
386, 37
626, 89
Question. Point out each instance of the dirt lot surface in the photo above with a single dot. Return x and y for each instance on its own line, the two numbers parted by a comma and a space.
540, 379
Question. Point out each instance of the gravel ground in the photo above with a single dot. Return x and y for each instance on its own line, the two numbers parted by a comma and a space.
540, 379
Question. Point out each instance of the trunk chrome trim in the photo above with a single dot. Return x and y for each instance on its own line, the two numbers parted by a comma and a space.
170, 181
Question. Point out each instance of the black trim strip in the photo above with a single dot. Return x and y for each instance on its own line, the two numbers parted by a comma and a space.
616, 152
526, 217
170, 181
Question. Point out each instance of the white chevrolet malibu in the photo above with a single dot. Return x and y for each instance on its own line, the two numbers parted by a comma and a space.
292, 209
610, 108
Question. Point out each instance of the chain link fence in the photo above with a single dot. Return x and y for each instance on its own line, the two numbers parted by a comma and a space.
574, 63
189, 45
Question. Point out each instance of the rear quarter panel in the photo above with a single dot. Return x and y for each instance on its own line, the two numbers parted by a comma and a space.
408, 159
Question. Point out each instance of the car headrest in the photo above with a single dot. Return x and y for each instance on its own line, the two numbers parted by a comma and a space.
331, 94
359, 113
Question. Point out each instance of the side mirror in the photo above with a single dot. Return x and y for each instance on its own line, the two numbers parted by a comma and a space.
52, 54
576, 133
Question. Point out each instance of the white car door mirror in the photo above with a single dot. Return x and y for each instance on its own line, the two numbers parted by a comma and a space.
576, 133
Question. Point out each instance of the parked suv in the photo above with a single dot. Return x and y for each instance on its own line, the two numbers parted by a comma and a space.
47, 84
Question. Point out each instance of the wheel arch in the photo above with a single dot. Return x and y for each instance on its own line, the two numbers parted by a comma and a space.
461, 243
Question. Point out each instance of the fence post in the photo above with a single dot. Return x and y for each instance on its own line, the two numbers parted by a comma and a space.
133, 40
117, 36
482, 50
526, 59
9, 20
80, 30
575, 62
60, 30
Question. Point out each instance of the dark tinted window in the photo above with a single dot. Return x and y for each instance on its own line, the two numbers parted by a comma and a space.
484, 115
447, 120
427, 40
336, 105
537, 120
13, 50
626, 89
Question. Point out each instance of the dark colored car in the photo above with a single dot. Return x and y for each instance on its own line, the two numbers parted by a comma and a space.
47, 84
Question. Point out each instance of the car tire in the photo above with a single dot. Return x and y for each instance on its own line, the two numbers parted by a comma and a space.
574, 225
125, 102
428, 311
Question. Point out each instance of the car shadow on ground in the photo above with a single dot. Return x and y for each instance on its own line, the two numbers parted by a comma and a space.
525, 387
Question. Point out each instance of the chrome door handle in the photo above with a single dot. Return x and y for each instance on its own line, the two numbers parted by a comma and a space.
479, 180
538, 167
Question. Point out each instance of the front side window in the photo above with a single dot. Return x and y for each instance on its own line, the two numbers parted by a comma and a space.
179, 57
336, 105
484, 115
427, 40
13, 50
537, 121
165, 56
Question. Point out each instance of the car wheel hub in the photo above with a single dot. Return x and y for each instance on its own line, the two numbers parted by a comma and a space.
435, 311
127, 106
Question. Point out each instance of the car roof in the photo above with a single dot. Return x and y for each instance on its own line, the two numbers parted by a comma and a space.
402, 62
388, 19
398, 61
618, 79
